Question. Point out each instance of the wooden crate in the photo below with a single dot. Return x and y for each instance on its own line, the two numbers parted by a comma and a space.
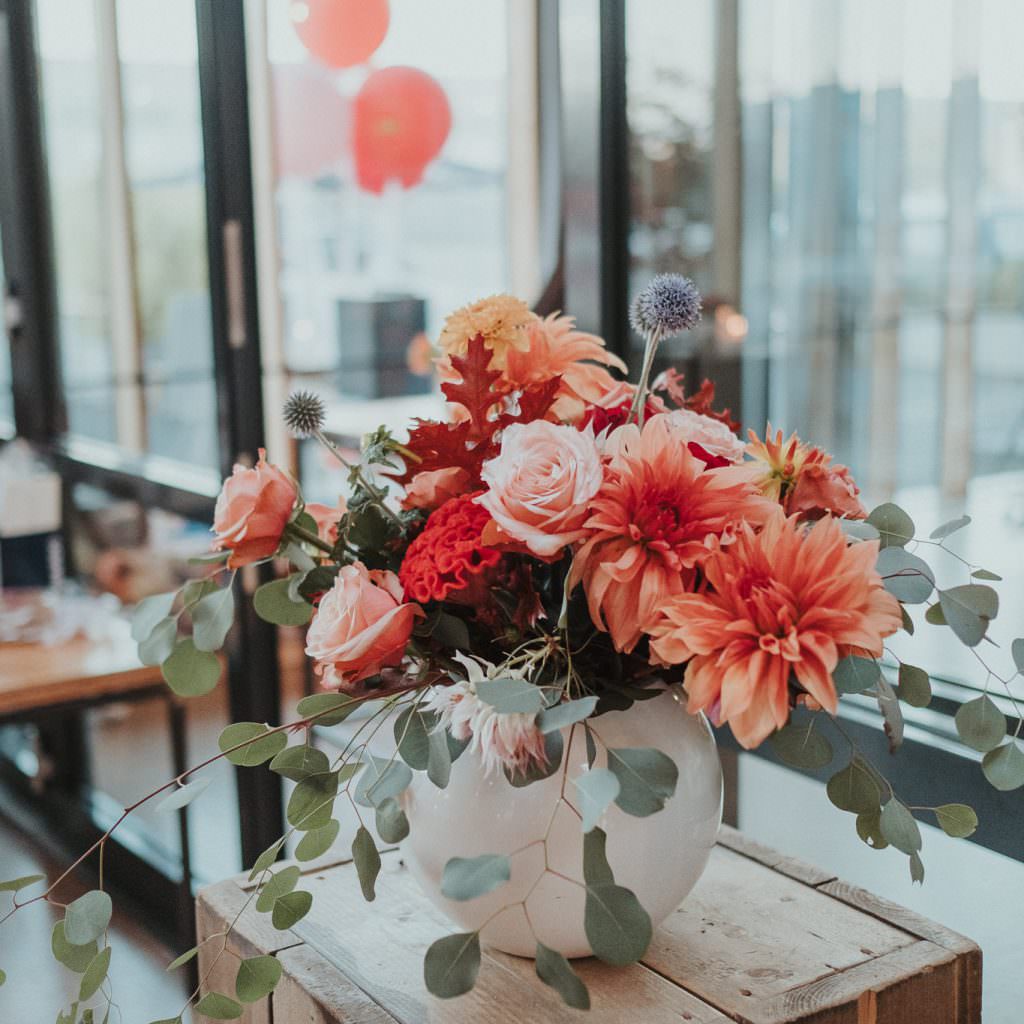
763, 939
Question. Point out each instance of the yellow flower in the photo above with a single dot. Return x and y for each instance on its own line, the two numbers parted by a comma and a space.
501, 319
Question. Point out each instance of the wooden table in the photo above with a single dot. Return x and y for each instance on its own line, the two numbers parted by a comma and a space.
763, 939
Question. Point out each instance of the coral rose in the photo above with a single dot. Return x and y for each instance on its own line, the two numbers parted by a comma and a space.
327, 518
252, 510
361, 625
784, 603
433, 487
539, 486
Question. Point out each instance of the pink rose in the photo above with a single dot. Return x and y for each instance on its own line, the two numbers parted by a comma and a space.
433, 487
361, 625
327, 518
709, 439
253, 508
823, 488
540, 484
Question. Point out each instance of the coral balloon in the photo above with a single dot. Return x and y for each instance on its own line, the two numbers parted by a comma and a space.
400, 120
340, 33
310, 121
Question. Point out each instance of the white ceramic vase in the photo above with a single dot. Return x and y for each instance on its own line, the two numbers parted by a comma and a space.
659, 857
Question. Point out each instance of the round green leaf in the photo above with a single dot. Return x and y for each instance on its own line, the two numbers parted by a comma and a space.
452, 964
299, 762
74, 958
597, 789
1017, 650
291, 909
554, 970
266, 858
511, 696
802, 746
392, 824
617, 926
943, 531
968, 611
190, 672
854, 674
311, 804
907, 577
278, 885
466, 878
1004, 766
149, 612
257, 978
219, 1007
980, 724
869, 829
554, 746
439, 758
87, 918
957, 820
159, 643
854, 789
935, 615
647, 778
367, 861
412, 737
212, 617
561, 716
380, 779
327, 708
316, 842
899, 827
895, 527
183, 795
914, 686
595, 861
95, 974
273, 604
253, 753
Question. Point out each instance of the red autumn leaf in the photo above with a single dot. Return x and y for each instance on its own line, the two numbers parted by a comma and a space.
440, 446
671, 382
475, 391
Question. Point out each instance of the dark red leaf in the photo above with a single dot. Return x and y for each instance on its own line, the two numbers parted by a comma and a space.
474, 392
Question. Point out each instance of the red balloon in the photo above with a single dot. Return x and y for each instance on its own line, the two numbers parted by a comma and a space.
341, 33
400, 120
310, 121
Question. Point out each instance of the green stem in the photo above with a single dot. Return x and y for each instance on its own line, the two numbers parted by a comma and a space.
637, 409
307, 537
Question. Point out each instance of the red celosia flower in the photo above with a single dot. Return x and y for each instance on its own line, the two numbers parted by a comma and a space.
448, 560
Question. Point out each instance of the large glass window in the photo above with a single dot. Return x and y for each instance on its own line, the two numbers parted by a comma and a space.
6, 322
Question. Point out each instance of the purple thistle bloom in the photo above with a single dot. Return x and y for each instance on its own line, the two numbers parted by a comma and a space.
670, 304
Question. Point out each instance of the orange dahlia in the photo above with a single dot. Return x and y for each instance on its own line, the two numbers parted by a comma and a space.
654, 521
784, 603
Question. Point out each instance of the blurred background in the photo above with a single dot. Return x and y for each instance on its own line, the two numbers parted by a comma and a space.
207, 203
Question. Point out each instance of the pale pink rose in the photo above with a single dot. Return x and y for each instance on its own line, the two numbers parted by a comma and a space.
327, 518
539, 486
252, 510
432, 488
707, 437
361, 625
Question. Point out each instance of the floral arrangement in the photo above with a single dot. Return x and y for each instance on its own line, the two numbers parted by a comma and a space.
558, 548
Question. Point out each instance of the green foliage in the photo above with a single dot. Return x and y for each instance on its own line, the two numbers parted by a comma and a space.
392, 824
183, 795
95, 974
327, 708
554, 747
256, 750
554, 970
647, 778
219, 1007
266, 858
617, 926
190, 672
854, 674
895, 527
1004, 766
596, 868
274, 603
907, 623
449, 631
17, 884
869, 828
299, 762
212, 617
311, 804
800, 745
159, 644
412, 737
278, 885
1017, 651
381, 779
892, 714
968, 611
317, 841
597, 789
943, 531
511, 696
907, 577
257, 978
561, 716
439, 758
452, 964
74, 958
854, 789
980, 724
148, 614
367, 861
186, 957
984, 574
957, 820
291, 909
914, 686
916, 868
87, 918
899, 827
935, 615
466, 878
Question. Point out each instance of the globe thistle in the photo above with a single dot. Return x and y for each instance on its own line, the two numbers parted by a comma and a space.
304, 413
669, 305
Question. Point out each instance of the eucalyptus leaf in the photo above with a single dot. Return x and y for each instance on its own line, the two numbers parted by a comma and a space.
95, 974
278, 885
647, 778
451, 965
367, 861
892, 714
212, 618
327, 708
1017, 650
17, 884
858, 529
916, 868
957, 820
159, 644
869, 829
466, 878
854, 789
591, 746
1004, 767
899, 827
907, 577
317, 841
854, 674
219, 1007
299, 762
382, 778
984, 574
563, 715
74, 958
597, 788
943, 531
914, 686
149, 612
87, 918
257, 978
195, 590
190, 672
617, 926
800, 745
511, 696
968, 610
554, 970
266, 858
895, 527
439, 758
412, 737
392, 824
3, 978
451, 632
554, 747
273, 604
980, 724
906, 622
311, 804
935, 615
257, 750
183, 795
186, 957
291, 909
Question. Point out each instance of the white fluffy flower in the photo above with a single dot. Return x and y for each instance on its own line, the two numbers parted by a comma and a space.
503, 740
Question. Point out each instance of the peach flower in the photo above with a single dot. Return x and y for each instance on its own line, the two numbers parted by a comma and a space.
501, 320
327, 518
252, 510
655, 519
783, 604
539, 485
361, 625
433, 487
709, 439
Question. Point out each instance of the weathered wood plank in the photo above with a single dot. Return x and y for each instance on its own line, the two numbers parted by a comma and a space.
736, 841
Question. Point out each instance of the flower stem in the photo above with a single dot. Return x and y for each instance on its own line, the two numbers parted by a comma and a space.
307, 537
639, 406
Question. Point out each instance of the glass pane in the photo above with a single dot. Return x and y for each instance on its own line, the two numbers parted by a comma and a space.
6, 392
388, 216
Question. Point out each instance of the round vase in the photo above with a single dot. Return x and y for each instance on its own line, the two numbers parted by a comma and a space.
660, 857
